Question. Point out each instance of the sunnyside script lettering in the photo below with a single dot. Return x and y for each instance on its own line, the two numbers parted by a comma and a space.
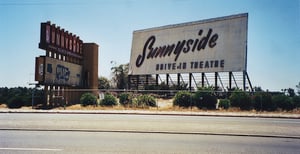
150, 51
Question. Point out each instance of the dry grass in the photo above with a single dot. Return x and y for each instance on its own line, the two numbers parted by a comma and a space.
163, 105
90, 107
3, 106
167, 105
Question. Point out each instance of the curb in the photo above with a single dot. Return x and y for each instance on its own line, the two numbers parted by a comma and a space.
166, 113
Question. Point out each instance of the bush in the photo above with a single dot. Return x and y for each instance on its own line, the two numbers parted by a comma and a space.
183, 99
296, 101
15, 102
125, 98
205, 98
146, 100
263, 101
109, 100
88, 99
283, 102
224, 104
241, 99
39, 97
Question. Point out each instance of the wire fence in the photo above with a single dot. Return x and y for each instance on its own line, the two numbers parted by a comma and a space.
164, 98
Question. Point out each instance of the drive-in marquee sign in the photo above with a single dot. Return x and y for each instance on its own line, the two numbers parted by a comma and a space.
213, 45
56, 72
58, 40
59, 70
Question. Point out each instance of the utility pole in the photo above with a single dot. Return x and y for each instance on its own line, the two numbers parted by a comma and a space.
32, 94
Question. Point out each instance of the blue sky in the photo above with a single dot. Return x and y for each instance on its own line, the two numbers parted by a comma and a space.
273, 32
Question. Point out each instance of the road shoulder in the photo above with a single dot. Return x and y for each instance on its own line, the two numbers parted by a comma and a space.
152, 112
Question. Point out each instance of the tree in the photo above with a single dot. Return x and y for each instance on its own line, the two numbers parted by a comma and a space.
20, 96
290, 92
263, 101
103, 83
258, 89
4, 92
120, 77
283, 102
298, 88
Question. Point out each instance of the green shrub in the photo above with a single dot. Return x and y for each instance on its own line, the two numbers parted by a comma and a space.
183, 99
109, 100
263, 101
224, 104
283, 102
146, 100
88, 99
240, 99
296, 101
125, 98
152, 87
15, 102
205, 98
39, 97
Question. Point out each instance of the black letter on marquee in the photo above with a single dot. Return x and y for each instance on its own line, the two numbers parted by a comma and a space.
212, 42
188, 43
140, 59
204, 40
178, 48
222, 63
160, 51
169, 50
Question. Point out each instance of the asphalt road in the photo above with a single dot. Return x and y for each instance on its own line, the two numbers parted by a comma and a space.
113, 133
